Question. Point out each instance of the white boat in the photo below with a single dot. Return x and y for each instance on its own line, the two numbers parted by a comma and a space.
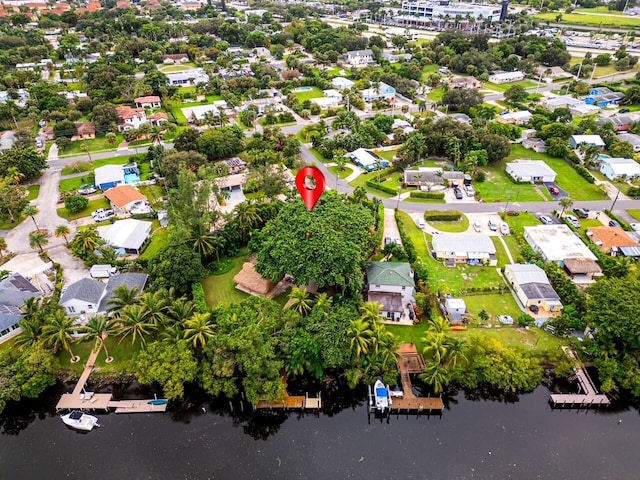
80, 420
381, 395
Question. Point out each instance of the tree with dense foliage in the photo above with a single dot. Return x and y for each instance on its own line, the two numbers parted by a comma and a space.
462, 100
516, 94
27, 161
220, 143
169, 364
176, 267
76, 203
58, 332
98, 329
13, 199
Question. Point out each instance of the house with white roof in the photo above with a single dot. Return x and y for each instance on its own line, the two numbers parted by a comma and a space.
461, 248
556, 243
187, 78
341, 83
534, 171
367, 160
576, 140
583, 109
455, 308
614, 168
359, 57
562, 101
109, 176
515, 118
532, 287
129, 235
506, 77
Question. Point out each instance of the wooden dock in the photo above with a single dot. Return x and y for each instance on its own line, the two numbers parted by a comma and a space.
137, 406
590, 396
292, 402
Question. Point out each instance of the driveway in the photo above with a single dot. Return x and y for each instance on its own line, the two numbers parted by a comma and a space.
390, 225
560, 195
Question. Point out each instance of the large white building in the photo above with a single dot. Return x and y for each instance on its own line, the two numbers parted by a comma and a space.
444, 10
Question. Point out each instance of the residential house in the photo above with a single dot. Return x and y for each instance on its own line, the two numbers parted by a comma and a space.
341, 83
158, 118
430, 176
331, 101
549, 73
7, 140
576, 140
562, 101
613, 241
264, 105
557, 243
16, 289
399, 123
357, 58
515, 118
632, 138
458, 83
380, 92
603, 97
532, 287
248, 280
621, 123
461, 248
90, 297
528, 133
187, 78
150, 101
506, 77
108, 176
235, 165
391, 284
10, 317
332, 93
129, 236
582, 270
455, 309
533, 171
173, 58
583, 109
124, 197
614, 168
130, 118
367, 160
536, 144
458, 117
86, 131
393, 57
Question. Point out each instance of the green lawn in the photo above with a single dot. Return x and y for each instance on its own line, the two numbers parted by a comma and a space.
315, 92
494, 304
436, 94
416, 235
73, 184
601, 9
428, 70
152, 192
93, 205
388, 155
34, 191
88, 166
316, 154
94, 145
221, 288
122, 351
614, 21
501, 252
452, 227
501, 87
568, 179
159, 240
499, 187
386, 177
341, 173
635, 213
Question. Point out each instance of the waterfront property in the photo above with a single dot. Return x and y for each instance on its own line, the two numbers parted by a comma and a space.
392, 285
589, 396
532, 287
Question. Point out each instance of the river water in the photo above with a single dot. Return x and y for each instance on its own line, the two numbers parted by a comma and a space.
473, 439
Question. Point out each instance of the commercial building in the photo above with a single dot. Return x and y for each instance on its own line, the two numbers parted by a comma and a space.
438, 11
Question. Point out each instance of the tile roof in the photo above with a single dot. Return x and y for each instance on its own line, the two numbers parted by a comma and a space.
148, 99
122, 195
611, 237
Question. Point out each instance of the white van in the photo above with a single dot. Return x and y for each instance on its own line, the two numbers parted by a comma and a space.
421, 223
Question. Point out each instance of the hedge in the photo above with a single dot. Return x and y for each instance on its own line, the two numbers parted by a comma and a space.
382, 188
432, 195
584, 173
407, 243
197, 290
613, 216
442, 216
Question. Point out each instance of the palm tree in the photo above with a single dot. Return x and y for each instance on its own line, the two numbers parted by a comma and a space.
437, 376
87, 240
122, 297
133, 323
565, 203
31, 211
172, 334
299, 301
201, 240
247, 217
455, 352
435, 346
422, 106
361, 336
370, 312
199, 329
98, 329
155, 307
157, 134
57, 333
38, 240
3, 246
62, 231
181, 310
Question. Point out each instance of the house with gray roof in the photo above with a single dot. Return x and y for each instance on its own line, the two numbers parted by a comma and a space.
15, 290
391, 284
460, 248
9, 322
632, 138
532, 287
88, 297
426, 176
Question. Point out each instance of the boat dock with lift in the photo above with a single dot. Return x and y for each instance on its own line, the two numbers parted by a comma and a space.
292, 402
590, 396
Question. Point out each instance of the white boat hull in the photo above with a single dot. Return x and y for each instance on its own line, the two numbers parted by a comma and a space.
80, 421
381, 395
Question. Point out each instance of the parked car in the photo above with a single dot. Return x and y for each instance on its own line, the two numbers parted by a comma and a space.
87, 189
477, 227
614, 223
534, 308
39, 143
504, 229
573, 221
469, 190
554, 190
421, 223
493, 226
458, 193
546, 220
103, 215
387, 240
581, 212
99, 211
623, 110
397, 241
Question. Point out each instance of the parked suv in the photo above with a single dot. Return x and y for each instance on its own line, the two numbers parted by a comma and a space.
581, 212
573, 221
546, 220
106, 214
493, 226
457, 192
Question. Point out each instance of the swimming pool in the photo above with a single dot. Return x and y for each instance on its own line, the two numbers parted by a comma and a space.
302, 89
603, 156
131, 178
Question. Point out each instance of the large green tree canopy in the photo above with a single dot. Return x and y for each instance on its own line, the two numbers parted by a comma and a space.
327, 244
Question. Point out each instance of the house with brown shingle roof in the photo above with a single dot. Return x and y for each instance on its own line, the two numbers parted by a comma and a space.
124, 197
86, 131
248, 280
150, 101
610, 240
175, 58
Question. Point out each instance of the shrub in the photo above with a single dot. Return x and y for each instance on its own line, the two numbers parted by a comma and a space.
408, 245
75, 204
442, 216
382, 188
613, 216
481, 177
584, 173
432, 195
197, 291
634, 192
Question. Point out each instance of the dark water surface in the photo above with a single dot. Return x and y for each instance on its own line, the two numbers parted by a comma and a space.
473, 439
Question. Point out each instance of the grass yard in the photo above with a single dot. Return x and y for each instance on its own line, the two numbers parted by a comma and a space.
341, 173
152, 192
494, 304
315, 92
436, 94
387, 154
122, 351
93, 205
73, 184
502, 87
221, 288
428, 70
568, 179
635, 213
452, 227
385, 177
88, 166
501, 252
600, 9
159, 240
94, 145
319, 157
34, 191
499, 186
614, 21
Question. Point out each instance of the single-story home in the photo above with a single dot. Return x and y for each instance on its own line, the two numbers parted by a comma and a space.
455, 308
235, 165
621, 123
341, 83
506, 77
123, 197
150, 101
614, 168
367, 160
457, 83
610, 240
556, 243
583, 109
10, 317
515, 118
327, 102
425, 176
249, 281
582, 270
403, 125
380, 92
91, 297
632, 138
523, 170
563, 101
188, 78
576, 140
536, 144
392, 284
109, 176
461, 248
172, 58
86, 131
532, 287
15, 290
603, 97
458, 117
393, 57
129, 235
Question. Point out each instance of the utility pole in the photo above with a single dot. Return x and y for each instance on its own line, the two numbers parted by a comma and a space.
614, 201
400, 189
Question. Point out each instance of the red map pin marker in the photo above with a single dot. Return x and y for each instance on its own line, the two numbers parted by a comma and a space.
310, 194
